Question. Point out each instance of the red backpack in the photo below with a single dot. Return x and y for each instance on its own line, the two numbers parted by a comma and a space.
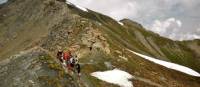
66, 55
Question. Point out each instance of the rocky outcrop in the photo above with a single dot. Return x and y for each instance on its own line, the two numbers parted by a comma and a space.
41, 27
33, 68
95, 40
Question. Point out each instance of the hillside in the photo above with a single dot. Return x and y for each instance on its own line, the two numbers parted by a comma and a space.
32, 31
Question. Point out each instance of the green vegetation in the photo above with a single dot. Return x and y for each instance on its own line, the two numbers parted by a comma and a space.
51, 64
51, 25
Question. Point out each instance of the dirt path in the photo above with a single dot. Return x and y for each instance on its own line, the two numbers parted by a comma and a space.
82, 81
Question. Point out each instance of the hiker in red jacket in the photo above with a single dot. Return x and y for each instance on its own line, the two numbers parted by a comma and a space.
66, 57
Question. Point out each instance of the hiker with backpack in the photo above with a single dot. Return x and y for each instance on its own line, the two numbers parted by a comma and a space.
66, 57
60, 55
75, 65
69, 61
78, 69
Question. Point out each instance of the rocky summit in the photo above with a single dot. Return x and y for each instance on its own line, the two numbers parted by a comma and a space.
32, 31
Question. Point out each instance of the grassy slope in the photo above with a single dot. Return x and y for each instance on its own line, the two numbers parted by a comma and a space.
174, 51
119, 38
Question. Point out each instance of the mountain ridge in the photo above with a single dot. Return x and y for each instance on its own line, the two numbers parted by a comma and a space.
53, 24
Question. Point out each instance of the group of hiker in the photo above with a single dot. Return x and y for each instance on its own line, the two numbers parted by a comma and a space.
69, 61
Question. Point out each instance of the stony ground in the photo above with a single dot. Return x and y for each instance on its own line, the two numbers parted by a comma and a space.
33, 68
32, 31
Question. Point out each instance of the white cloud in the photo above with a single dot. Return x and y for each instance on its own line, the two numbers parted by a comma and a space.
198, 29
188, 36
179, 23
172, 28
162, 27
115, 76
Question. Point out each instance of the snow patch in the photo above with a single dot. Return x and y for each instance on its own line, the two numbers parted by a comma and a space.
81, 8
120, 23
69, 3
115, 76
169, 65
